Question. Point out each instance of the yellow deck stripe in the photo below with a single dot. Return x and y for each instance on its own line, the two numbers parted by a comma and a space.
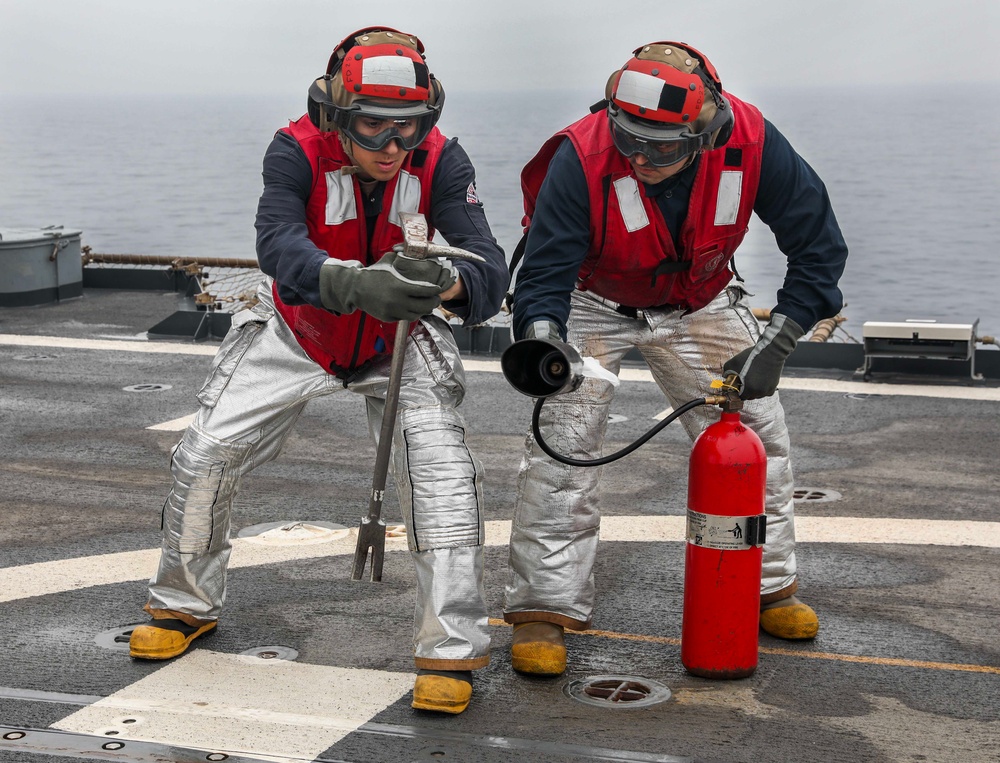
866, 660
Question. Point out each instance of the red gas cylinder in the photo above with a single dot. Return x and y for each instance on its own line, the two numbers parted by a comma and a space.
722, 565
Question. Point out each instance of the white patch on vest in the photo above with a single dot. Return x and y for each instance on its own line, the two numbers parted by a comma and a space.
406, 198
630, 204
388, 70
340, 202
727, 204
639, 89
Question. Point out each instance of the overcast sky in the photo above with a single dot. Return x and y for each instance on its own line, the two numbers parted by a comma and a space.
269, 46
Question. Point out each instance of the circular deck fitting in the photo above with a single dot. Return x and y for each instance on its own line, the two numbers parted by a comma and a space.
617, 691
116, 638
147, 388
293, 533
271, 653
815, 495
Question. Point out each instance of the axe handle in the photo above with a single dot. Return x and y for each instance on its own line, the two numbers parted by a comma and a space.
371, 533
388, 420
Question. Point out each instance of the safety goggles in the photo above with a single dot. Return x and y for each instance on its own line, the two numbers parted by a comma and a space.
373, 127
658, 145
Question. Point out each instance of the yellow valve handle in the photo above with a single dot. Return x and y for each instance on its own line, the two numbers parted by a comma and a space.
728, 383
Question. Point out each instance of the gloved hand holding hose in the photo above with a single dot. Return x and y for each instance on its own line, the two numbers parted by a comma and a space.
759, 367
396, 288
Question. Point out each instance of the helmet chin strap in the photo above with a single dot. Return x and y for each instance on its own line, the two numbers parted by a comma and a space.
352, 168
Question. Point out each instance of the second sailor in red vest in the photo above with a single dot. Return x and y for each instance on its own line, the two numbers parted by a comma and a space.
635, 213
335, 183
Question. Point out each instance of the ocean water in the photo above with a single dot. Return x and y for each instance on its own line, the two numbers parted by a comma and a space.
915, 184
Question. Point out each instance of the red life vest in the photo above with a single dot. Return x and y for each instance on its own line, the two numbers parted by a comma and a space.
632, 259
335, 219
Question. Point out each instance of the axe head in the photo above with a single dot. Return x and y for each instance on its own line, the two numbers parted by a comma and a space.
416, 245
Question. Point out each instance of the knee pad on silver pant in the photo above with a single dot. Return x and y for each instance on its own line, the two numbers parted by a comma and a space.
438, 480
206, 474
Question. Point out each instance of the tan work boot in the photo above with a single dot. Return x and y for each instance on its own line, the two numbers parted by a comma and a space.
442, 691
538, 649
161, 639
790, 619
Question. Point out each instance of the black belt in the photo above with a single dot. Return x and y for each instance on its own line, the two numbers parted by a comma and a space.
628, 312
634, 312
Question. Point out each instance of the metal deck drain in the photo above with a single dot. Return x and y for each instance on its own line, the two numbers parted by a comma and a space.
147, 388
293, 533
617, 691
815, 495
271, 653
117, 638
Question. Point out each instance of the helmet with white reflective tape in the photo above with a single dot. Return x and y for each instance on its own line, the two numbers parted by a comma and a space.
666, 103
377, 89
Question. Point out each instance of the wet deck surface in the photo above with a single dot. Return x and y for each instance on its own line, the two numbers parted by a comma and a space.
898, 552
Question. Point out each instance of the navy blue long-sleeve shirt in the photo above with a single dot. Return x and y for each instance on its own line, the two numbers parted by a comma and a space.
286, 253
791, 200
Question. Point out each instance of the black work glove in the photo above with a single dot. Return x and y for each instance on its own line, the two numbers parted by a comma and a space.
759, 367
382, 290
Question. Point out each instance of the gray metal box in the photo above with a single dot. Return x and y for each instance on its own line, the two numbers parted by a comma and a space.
39, 265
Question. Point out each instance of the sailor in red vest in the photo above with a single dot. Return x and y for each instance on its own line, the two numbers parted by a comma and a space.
635, 212
335, 184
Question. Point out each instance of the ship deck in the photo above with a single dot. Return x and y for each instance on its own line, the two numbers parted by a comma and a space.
899, 544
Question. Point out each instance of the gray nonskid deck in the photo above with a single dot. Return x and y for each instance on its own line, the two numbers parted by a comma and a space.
907, 663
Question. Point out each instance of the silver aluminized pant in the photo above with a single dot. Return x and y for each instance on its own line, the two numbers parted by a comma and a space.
557, 517
258, 386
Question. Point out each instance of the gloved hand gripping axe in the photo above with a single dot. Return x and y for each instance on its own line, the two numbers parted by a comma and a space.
371, 533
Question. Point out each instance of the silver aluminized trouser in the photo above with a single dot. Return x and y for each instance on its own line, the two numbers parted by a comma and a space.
258, 386
556, 524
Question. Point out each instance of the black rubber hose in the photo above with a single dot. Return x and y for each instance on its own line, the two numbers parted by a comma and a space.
614, 456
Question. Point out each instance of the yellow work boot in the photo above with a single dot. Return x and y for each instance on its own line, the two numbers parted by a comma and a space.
789, 618
161, 639
538, 649
443, 691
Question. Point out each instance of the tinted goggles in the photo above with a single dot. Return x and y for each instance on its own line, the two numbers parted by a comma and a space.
659, 152
374, 132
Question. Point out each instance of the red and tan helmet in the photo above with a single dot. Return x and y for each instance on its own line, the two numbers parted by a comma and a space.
380, 74
667, 103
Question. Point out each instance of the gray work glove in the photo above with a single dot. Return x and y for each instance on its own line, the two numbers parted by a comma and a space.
437, 270
382, 290
759, 367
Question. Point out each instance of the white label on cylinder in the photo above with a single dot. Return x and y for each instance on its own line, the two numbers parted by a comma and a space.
717, 532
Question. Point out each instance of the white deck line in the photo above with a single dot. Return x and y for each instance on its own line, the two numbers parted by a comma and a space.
47, 578
125, 345
493, 366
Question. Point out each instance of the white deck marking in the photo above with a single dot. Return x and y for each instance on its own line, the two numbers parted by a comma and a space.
46, 578
174, 425
69, 343
270, 709
493, 366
